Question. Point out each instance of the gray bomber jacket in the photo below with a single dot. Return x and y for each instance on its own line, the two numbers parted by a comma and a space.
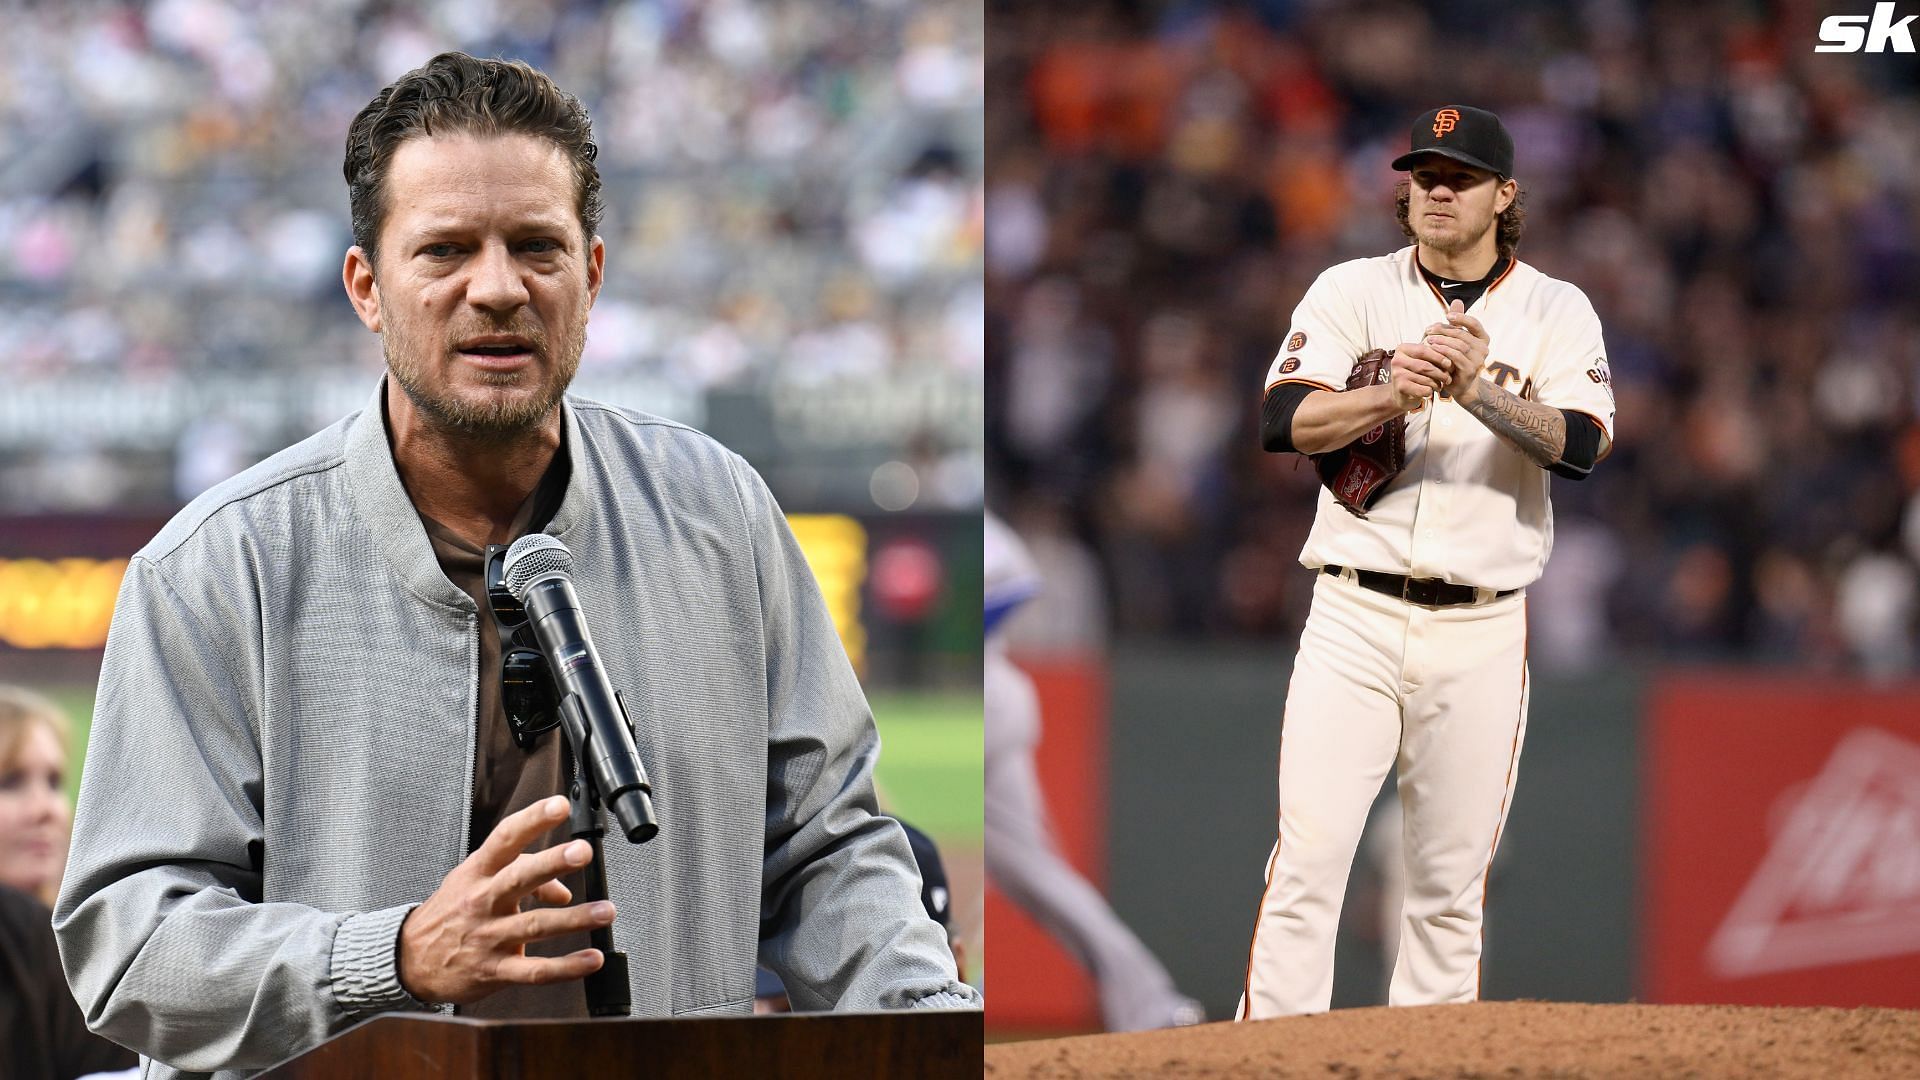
281, 760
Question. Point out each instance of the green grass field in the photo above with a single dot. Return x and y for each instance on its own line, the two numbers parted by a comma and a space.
930, 773
932, 761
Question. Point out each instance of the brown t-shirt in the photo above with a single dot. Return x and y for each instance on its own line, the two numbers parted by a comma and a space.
506, 778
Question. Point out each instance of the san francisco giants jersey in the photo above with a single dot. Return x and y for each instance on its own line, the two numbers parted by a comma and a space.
1468, 508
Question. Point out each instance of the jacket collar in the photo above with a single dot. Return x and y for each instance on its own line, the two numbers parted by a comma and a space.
383, 504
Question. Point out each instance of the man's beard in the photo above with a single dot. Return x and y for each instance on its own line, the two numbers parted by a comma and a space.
1451, 246
497, 419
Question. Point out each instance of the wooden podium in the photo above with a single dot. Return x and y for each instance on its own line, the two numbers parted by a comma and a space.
935, 1044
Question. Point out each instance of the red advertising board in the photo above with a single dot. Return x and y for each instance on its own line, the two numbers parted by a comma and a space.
1033, 985
1782, 842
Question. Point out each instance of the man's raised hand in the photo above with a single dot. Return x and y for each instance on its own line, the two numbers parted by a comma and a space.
1463, 342
470, 937
1418, 374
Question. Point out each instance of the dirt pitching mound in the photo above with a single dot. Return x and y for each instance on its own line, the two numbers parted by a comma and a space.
1498, 1039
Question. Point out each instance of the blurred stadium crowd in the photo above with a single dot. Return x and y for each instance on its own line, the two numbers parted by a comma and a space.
1744, 214
794, 205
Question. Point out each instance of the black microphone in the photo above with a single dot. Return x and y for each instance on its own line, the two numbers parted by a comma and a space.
538, 571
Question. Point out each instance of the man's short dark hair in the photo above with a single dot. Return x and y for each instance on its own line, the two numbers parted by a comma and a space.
454, 92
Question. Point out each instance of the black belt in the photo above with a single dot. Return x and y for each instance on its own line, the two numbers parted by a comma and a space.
1428, 592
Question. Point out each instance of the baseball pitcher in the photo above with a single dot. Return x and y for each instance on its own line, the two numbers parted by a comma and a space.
1436, 388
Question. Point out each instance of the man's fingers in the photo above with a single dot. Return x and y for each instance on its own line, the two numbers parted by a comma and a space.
1468, 323
1420, 351
516, 831
529, 970
1456, 356
1455, 344
528, 872
1408, 396
1441, 369
553, 892
1412, 382
542, 923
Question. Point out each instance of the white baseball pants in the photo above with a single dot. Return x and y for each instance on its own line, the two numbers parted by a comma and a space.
1439, 693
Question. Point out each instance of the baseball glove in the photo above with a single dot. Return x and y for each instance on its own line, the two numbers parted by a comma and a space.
1358, 472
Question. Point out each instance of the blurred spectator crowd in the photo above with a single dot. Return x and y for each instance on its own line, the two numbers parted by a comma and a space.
1167, 179
793, 186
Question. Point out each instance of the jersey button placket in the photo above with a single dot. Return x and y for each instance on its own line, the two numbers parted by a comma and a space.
1431, 511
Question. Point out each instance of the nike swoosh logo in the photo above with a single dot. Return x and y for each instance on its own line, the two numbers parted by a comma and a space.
1453, 284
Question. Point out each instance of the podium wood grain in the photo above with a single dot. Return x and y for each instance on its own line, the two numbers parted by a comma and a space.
935, 1044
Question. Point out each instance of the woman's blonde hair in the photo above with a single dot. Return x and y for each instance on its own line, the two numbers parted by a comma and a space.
20, 709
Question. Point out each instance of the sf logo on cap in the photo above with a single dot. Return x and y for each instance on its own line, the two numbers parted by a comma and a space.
1444, 121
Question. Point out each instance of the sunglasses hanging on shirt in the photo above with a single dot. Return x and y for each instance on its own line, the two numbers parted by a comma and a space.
526, 685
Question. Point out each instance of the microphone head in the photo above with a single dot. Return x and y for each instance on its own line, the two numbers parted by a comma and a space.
534, 557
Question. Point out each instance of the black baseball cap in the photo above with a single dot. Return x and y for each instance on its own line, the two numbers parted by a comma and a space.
1472, 136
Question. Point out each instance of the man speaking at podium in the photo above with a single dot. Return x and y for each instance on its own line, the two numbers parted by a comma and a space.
302, 805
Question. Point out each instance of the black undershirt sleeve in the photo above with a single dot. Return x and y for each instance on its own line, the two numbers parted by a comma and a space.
1276, 415
1582, 449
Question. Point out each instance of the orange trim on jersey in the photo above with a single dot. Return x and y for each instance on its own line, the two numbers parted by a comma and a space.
1303, 382
1504, 275
1513, 759
1444, 302
1260, 914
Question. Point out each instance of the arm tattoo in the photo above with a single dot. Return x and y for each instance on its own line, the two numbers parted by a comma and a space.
1535, 430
